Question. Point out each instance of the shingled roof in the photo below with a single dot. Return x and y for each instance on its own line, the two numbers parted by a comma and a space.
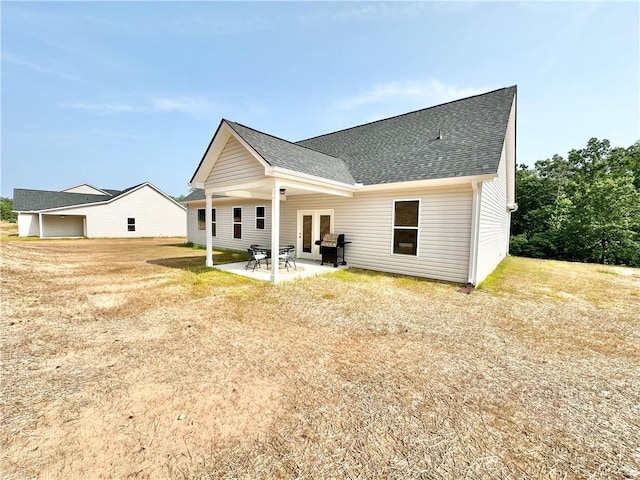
25, 200
460, 138
281, 153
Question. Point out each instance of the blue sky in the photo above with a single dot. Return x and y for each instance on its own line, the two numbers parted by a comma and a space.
118, 93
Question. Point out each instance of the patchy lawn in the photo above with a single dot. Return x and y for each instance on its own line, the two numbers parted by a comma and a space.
127, 358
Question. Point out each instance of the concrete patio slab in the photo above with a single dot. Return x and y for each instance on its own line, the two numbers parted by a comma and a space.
305, 268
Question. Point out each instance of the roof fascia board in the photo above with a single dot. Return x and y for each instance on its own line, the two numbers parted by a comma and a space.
251, 150
111, 200
217, 144
140, 187
66, 190
436, 182
195, 179
305, 178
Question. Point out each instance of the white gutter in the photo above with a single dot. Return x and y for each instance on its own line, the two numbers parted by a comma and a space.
435, 182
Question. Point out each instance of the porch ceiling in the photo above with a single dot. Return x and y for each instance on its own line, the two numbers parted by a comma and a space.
263, 189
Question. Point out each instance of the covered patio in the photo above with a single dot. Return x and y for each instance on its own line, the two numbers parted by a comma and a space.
245, 164
305, 268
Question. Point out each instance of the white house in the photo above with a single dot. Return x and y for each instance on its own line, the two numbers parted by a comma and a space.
428, 193
85, 211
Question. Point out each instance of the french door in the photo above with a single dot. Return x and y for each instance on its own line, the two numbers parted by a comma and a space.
312, 226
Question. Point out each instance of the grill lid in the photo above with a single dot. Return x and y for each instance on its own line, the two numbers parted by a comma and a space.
330, 240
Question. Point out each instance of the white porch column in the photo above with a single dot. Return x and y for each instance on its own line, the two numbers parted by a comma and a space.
275, 233
40, 225
207, 220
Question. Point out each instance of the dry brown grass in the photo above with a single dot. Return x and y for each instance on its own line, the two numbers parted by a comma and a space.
126, 359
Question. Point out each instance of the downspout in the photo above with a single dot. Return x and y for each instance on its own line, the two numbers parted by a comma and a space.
475, 232
208, 229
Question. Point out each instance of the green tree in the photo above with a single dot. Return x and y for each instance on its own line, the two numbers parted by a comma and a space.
6, 207
584, 208
605, 224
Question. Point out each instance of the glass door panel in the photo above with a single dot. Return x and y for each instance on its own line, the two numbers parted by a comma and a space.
325, 225
312, 226
307, 233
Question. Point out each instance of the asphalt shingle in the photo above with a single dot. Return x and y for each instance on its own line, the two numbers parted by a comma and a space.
409, 147
281, 153
25, 200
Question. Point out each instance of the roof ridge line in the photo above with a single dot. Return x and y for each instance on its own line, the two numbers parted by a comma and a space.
404, 114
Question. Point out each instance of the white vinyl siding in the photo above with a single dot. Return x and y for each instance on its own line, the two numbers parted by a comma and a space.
155, 216
28, 225
366, 220
493, 234
235, 165
83, 189
224, 224
63, 225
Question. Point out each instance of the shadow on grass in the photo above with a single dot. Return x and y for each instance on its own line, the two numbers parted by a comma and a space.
196, 263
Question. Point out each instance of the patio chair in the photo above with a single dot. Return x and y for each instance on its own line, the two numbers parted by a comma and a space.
255, 257
291, 253
286, 256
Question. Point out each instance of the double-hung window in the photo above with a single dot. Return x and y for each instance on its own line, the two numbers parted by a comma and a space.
406, 216
260, 218
237, 222
201, 219
202, 222
131, 224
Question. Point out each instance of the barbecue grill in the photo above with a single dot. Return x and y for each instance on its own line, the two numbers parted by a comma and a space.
331, 246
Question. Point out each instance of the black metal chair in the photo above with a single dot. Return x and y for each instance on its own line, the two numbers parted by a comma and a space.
291, 255
255, 257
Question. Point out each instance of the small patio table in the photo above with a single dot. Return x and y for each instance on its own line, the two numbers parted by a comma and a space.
283, 254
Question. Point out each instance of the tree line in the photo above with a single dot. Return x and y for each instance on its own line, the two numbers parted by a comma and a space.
6, 207
584, 208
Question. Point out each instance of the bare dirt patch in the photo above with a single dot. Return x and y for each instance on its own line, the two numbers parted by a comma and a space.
128, 359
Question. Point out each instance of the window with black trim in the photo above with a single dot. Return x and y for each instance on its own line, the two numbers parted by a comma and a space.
202, 221
405, 226
131, 224
237, 222
260, 218
202, 225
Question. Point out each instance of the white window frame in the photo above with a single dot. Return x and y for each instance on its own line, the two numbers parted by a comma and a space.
131, 224
234, 223
204, 222
263, 218
394, 227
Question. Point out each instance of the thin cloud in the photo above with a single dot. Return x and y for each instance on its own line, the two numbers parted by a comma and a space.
46, 68
102, 108
420, 92
183, 104
187, 105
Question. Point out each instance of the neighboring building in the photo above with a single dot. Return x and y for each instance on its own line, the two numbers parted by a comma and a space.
429, 193
86, 211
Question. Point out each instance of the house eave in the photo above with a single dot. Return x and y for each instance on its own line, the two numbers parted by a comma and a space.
286, 174
219, 140
104, 202
430, 183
